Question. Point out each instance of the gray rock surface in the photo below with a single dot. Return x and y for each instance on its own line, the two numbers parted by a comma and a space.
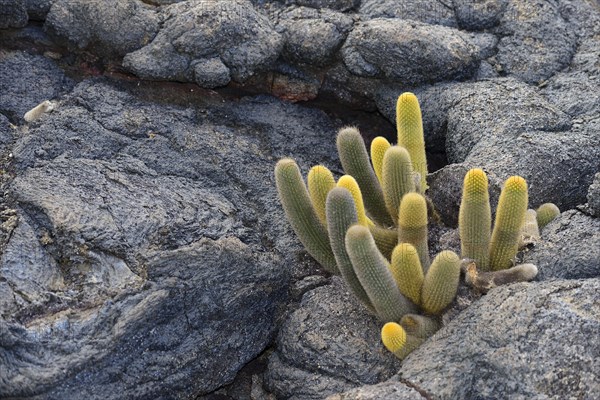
150, 256
428, 11
536, 41
110, 28
409, 52
479, 15
529, 340
341, 5
569, 248
328, 345
593, 196
232, 32
13, 14
312, 36
38, 9
27, 80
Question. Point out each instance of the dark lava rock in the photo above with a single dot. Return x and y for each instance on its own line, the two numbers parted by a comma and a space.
341, 5
109, 28
569, 248
428, 11
329, 344
27, 80
13, 14
409, 52
149, 256
232, 35
38, 9
479, 15
526, 340
536, 41
312, 36
593, 196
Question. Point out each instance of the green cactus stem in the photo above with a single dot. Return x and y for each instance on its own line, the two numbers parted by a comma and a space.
475, 218
301, 214
412, 225
379, 146
320, 182
546, 213
484, 281
510, 216
355, 161
396, 340
441, 282
341, 215
410, 133
397, 178
407, 271
385, 239
372, 269
420, 326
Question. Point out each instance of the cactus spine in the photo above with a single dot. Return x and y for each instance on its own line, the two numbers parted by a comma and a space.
407, 271
301, 214
530, 232
510, 217
385, 239
419, 325
441, 282
341, 215
396, 340
355, 161
546, 213
379, 146
410, 133
475, 218
372, 269
320, 182
397, 178
412, 225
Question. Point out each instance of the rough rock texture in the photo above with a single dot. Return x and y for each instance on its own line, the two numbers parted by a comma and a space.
478, 15
232, 34
409, 52
532, 340
341, 5
38, 9
26, 81
428, 11
312, 36
13, 14
109, 28
329, 344
150, 257
569, 248
593, 196
385, 390
536, 40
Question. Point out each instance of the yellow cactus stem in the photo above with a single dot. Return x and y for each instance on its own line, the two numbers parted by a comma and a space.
302, 215
510, 217
410, 133
396, 340
412, 225
349, 183
475, 218
397, 178
320, 182
379, 146
407, 271
546, 213
420, 326
441, 282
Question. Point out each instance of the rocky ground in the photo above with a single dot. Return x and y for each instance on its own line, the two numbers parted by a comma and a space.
144, 253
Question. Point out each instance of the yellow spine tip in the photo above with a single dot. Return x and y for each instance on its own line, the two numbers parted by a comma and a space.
393, 336
407, 98
413, 211
515, 184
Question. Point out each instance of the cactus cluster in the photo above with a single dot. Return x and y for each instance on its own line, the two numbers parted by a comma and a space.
370, 227
493, 252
